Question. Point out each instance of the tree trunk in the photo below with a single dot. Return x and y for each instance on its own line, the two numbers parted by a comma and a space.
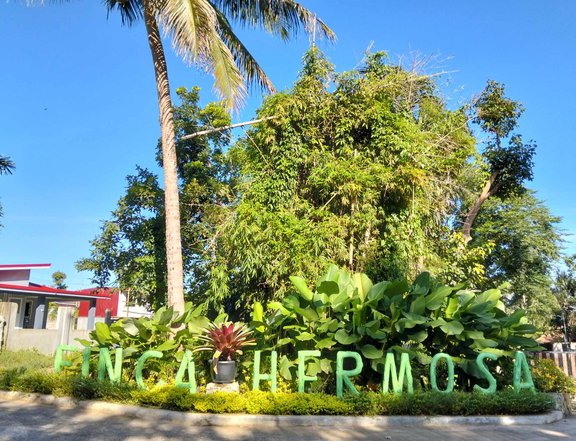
175, 276
471, 216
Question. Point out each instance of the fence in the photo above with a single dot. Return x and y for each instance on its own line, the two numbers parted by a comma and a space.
565, 360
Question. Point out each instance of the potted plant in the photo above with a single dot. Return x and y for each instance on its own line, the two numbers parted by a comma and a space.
225, 341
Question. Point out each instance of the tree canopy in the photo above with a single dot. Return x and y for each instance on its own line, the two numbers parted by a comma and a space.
369, 169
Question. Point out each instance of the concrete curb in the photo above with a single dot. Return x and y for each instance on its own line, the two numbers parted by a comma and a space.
284, 420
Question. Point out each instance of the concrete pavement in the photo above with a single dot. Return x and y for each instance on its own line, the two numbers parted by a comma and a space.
25, 419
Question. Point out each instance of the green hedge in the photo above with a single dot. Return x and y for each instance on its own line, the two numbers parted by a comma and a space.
371, 403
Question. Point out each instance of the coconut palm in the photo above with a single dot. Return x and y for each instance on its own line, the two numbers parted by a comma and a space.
201, 33
6, 165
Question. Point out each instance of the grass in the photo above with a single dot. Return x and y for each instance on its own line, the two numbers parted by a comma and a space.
29, 360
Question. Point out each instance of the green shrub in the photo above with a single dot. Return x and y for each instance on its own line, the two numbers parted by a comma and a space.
259, 402
42, 383
550, 378
24, 359
9, 377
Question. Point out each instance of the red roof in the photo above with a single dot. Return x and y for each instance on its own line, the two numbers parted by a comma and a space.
47, 290
22, 266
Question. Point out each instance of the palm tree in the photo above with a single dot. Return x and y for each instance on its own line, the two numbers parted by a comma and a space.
6, 165
202, 34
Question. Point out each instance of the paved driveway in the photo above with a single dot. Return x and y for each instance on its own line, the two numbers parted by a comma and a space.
22, 420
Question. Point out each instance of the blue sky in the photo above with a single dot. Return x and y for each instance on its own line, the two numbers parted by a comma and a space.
79, 106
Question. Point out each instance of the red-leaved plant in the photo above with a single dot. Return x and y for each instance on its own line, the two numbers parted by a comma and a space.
226, 340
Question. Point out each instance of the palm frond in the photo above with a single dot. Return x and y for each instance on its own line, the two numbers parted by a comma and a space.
6, 165
194, 28
243, 58
130, 10
191, 24
279, 17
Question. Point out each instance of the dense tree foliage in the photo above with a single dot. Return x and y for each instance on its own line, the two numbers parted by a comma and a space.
526, 245
130, 249
368, 169
507, 167
565, 291
6, 167
361, 169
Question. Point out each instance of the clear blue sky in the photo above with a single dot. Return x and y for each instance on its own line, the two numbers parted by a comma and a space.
79, 104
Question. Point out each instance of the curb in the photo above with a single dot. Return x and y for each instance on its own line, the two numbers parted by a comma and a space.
200, 419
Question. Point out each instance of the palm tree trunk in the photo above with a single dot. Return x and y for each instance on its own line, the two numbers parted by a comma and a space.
175, 276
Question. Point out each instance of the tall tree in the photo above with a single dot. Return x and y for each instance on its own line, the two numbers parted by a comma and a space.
526, 244
201, 32
130, 250
565, 292
58, 278
507, 166
358, 168
6, 167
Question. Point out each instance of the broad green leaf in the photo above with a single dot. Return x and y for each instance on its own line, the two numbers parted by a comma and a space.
516, 340
370, 352
328, 287
421, 284
378, 334
476, 335
284, 366
325, 343
483, 343
300, 285
313, 367
452, 307
258, 316
168, 345
376, 293
436, 298
130, 328
344, 338
418, 337
363, 284
453, 327
396, 287
513, 318
102, 333
307, 313
284, 341
491, 295
418, 306
326, 365
305, 336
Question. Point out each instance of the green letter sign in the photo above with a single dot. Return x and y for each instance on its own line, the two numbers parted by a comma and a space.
450, 365
140, 365
522, 375
257, 377
397, 379
302, 377
342, 375
484, 369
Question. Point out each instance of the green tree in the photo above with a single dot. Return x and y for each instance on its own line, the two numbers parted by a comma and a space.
361, 169
565, 291
527, 243
131, 250
58, 278
507, 167
6, 167
202, 33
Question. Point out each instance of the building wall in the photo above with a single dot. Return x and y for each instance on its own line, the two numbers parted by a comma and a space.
18, 277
